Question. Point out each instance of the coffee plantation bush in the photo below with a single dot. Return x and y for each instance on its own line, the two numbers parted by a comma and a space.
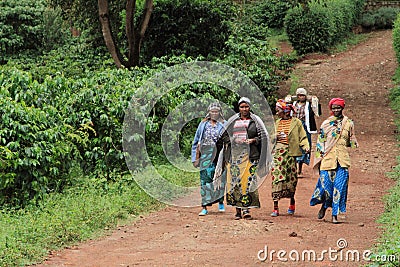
39, 151
316, 25
193, 28
271, 13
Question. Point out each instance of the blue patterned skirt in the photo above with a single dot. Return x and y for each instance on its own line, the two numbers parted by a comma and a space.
331, 190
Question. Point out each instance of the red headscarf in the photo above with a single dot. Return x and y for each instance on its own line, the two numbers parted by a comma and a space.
336, 101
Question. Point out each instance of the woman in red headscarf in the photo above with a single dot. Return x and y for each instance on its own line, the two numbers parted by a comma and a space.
291, 139
332, 161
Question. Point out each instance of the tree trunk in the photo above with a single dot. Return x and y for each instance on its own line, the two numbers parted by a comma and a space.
130, 30
107, 33
138, 33
134, 35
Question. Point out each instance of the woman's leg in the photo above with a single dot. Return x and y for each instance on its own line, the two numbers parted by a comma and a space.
300, 168
292, 206
238, 214
276, 209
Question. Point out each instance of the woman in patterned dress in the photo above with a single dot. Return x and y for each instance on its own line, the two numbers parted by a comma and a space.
332, 160
291, 140
246, 159
208, 131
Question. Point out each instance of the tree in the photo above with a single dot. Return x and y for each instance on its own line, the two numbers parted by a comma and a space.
134, 33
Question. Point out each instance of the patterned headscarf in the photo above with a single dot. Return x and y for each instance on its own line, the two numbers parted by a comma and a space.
215, 106
284, 105
336, 101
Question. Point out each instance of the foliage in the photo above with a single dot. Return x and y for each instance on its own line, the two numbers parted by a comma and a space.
309, 30
54, 29
272, 12
84, 16
74, 59
248, 50
396, 38
389, 243
20, 25
193, 28
316, 26
38, 151
382, 18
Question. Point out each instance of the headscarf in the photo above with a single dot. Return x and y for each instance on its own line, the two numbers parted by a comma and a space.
215, 106
244, 100
284, 105
301, 91
336, 101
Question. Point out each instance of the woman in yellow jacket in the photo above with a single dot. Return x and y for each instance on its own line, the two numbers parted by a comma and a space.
291, 136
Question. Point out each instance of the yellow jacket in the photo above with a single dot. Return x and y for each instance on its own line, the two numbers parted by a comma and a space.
297, 137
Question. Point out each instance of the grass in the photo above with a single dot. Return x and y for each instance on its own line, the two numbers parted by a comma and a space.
277, 36
389, 243
352, 40
82, 212
387, 251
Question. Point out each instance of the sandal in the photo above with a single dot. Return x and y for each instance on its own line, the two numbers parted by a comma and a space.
275, 213
238, 216
321, 212
203, 212
334, 219
246, 214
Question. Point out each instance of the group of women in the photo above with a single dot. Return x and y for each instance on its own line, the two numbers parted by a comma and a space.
233, 157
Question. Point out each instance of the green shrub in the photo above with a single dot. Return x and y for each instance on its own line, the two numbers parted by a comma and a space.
382, 18
187, 27
396, 37
271, 13
316, 25
74, 59
26, 25
309, 29
40, 150
249, 52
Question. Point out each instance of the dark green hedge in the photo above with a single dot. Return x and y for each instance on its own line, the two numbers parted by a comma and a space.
396, 38
317, 25
193, 28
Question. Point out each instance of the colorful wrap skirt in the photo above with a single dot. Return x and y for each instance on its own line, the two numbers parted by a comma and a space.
331, 190
284, 175
242, 183
209, 194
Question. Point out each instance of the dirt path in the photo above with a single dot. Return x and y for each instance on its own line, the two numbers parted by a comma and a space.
177, 236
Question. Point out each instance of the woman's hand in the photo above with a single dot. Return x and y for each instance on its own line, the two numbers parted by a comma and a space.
249, 141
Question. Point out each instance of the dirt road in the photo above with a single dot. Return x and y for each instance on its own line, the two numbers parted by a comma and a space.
177, 236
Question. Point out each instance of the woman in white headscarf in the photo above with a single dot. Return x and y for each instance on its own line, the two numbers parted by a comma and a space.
245, 156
